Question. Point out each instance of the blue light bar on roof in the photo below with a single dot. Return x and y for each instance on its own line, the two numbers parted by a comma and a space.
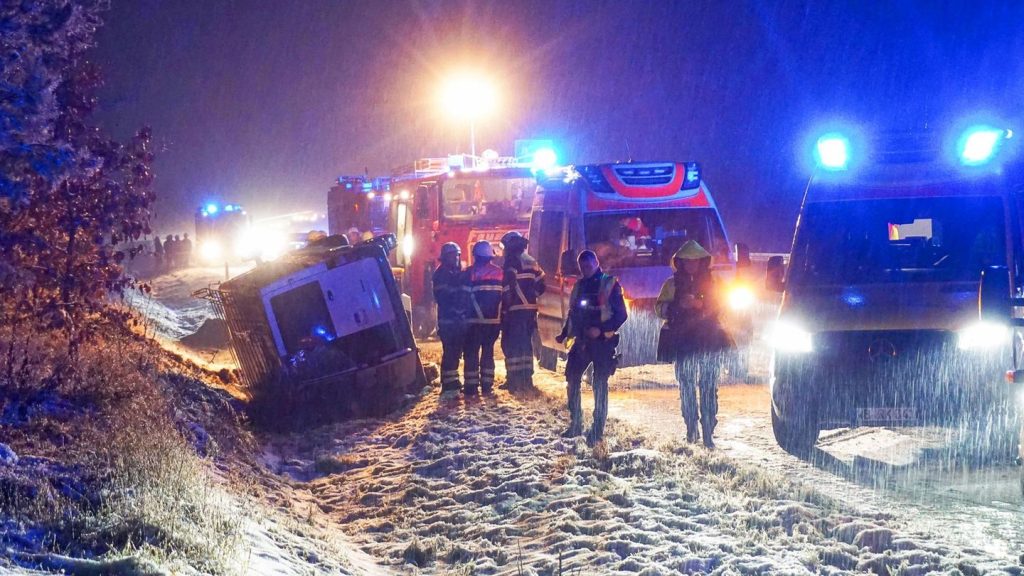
979, 144
832, 151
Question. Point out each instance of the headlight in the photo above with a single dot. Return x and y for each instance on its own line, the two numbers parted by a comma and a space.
272, 246
408, 245
788, 337
740, 298
983, 336
211, 251
245, 244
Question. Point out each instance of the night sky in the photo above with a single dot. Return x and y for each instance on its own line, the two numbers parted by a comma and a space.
266, 102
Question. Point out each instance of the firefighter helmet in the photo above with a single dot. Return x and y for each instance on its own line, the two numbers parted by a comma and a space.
450, 248
514, 241
483, 249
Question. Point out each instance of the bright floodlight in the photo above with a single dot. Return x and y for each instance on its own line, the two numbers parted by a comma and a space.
979, 144
544, 158
833, 151
211, 208
468, 97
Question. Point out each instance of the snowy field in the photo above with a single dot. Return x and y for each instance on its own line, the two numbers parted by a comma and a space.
488, 487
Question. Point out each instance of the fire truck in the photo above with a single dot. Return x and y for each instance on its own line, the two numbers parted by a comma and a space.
359, 202
461, 199
634, 216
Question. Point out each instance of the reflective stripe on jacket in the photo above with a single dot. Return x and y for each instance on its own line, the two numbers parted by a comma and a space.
450, 295
484, 284
610, 306
524, 281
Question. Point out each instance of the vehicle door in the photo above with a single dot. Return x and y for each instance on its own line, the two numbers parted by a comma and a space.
547, 242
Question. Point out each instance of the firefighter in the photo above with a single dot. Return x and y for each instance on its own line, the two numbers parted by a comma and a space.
693, 337
523, 282
450, 295
596, 311
483, 281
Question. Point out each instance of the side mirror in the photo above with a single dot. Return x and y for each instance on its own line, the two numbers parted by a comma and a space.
994, 294
742, 253
775, 274
568, 264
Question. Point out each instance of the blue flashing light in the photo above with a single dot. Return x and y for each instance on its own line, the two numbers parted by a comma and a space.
367, 186
205, 213
544, 158
832, 151
853, 299
211, 208
229, 208
348, 185
323, 333
979, 144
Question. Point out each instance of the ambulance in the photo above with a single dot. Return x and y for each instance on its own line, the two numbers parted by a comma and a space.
634, 216
880, 323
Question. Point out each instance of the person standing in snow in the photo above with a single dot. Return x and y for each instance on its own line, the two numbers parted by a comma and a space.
170, 252
596, 312
186, 251
450, 295
158, 252
693, 337
523, 283
483, 280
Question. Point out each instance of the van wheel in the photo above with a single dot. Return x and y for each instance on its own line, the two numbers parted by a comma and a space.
798, 433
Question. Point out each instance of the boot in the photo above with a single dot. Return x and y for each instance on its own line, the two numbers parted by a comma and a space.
692, 435
575, 429
469, 391
709, 443
593, 437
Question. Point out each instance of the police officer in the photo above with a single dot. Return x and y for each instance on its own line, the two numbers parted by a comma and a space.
523, 282
450, 295
483, 281
693, 337
596, 312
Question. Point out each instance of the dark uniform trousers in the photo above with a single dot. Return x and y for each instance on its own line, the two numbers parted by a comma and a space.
584, 352
517, 331
479, 356
453, 343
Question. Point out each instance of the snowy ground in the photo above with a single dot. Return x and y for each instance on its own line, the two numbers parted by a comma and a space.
487, 486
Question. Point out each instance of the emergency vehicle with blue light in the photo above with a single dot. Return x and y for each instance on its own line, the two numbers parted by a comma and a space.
361, 203
461, 199
879, 322
220, 231
634, 216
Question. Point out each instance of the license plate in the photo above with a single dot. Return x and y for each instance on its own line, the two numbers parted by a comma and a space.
887, 414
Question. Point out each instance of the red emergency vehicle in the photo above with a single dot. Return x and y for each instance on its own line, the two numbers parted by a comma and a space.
634, 216
359, 202
461, 199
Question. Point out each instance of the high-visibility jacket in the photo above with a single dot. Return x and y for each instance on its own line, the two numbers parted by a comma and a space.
523, 283
483, 281
595, 302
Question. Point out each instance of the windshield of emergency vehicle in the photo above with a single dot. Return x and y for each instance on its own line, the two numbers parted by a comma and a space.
488, 199
903, 240
650, 237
